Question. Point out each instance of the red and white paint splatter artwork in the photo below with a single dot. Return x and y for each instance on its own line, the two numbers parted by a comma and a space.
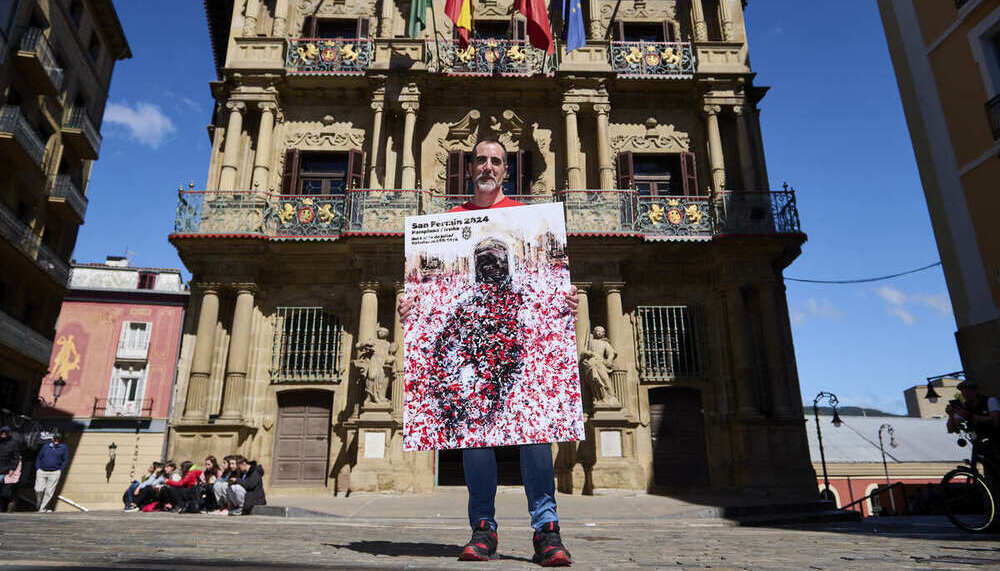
490, 347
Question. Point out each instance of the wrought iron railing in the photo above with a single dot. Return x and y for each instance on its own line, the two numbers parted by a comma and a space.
303, 216
307, 346
79, 119
674, 216
122, 408
993, 112
328, 55
752, 212
487, 57
13, 121
381, 211
599, 211
30, 244
67, 189
24, 339
222, 212
653, 59
668, 343
34, 41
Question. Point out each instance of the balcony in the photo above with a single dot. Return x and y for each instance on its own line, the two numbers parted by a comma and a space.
30, 244
993, 112
79, 132
656, 60
489, 57
623, 213
24, 339
123, 409
16, 130
328, 56
65, 194
37, 61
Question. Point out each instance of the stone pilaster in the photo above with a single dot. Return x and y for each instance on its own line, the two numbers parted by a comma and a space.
230, 157
574, 174
604, 161
774, 341
715, 156
742, 368
698, 17
234, 393
726, 15
196, 403
280, 24
616, 319
250, 18
410, 102
262, 158
745, 150
582, 315
368, 319
377, 107
397, 370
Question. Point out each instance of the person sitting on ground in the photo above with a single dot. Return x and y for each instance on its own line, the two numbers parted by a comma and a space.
175, 494
154, 476
209, 476
145, 496
221, 487
246, 490
10, 461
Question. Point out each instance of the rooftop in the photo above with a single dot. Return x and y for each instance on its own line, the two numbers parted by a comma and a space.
856, 440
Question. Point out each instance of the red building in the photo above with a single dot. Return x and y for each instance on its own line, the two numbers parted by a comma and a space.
116, 349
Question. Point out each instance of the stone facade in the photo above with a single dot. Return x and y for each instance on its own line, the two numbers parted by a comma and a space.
686, 277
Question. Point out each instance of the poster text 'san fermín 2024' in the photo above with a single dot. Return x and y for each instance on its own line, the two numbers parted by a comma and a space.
490, 343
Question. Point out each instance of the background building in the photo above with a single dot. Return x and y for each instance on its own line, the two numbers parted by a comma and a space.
56, 60
947, 60
331, 125
116, 348
945, 386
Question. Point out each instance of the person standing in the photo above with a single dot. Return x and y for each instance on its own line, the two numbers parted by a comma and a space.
50, 463
10, 460
488, 169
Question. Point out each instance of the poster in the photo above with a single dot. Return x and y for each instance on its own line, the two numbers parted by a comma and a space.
490, 345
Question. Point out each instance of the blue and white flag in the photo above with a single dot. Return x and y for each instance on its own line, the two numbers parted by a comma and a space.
573, 20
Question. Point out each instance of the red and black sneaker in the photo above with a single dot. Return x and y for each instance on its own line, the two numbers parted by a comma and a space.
482, 546
549, 549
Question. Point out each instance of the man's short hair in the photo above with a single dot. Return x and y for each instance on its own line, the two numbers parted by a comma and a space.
240, 459
170, 464
490, 140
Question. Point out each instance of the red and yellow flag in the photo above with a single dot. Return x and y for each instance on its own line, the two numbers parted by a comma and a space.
460, 12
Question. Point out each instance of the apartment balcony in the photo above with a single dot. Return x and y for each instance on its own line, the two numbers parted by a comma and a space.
123, 409
328, 56
993, 112
79, 132
24, 339
372, 212
488, 58
653, 60
67, 196
17, 133
30, 244
38, 63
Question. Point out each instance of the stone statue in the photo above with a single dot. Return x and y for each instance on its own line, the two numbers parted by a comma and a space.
596, 363
375, 358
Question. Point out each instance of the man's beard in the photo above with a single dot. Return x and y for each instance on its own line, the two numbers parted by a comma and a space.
485, 184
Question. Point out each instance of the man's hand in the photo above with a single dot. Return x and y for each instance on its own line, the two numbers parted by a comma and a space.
405, 307
572, 299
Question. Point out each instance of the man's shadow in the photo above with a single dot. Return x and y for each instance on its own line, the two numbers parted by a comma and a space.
411, 549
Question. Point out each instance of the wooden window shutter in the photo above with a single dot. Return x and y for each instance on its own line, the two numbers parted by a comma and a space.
619, 30
290, 178
364, 27
689, 173
668, 31
455, 182
518, 28
355, 168
309, 27
626, 171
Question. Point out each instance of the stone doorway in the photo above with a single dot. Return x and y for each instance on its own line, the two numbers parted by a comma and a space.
677, 424
450, 471
302, 439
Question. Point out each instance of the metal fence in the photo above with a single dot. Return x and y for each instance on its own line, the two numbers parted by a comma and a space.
65, 188
328, 55
653, 59
306, 346
122, 407
488, 57
34, 41
79, 119
13, 121
677, 216
668, 343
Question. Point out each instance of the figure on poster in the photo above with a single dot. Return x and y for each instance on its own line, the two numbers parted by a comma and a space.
376, 357
596, 363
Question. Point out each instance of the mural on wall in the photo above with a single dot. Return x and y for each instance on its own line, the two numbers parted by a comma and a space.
490, 344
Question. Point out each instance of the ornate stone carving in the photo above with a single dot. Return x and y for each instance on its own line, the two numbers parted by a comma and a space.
236, 106
664, 138
507, 129
596, 365
343, 138
712, 109
375, 361
352, 8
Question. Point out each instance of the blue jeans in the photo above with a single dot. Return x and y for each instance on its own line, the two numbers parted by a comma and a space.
480, 466
129, 496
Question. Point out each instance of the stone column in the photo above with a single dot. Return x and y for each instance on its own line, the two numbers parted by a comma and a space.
582, 315
604, 161
698, 17
574, 174
368, 320
726, 15
736, 313
746, 151
231, 155
250, 18
397, 369
196, 403
408, 178
280, 18
262, 158
773, 341
715, 157
616, 318
376, 136
234, 393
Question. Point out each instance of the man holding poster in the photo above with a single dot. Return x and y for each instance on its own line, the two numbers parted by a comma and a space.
490, 348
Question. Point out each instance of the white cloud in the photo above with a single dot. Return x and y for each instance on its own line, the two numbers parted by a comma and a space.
145, 122
813, 308
892, 295
900, 304
938, 302
905, 316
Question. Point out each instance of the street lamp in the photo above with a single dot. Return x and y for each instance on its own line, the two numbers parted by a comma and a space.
885, 466
112, 452
931, 395
832, 399
57, 388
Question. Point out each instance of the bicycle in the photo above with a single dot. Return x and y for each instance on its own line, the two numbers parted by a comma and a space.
971, 501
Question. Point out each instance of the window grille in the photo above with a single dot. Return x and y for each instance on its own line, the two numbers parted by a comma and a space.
668, 342
306, 346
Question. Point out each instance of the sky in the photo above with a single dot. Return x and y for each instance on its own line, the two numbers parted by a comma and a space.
833, 129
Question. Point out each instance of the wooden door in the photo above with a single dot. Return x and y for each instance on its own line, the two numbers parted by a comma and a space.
302, 442
678, 433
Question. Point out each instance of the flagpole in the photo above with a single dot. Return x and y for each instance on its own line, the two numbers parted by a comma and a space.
614, 14
434, 24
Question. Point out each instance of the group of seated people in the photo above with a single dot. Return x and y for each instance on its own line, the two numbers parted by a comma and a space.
233, 487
